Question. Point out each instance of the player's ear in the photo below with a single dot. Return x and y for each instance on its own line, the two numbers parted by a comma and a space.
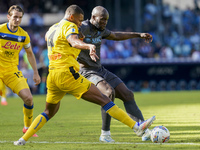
8, 16
71, 17
93, 17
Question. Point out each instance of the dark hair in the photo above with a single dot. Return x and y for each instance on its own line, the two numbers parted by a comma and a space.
74, 9
15, 7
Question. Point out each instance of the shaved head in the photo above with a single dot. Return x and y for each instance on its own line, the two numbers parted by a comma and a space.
99, 17
74, 14
99, 11
74, 9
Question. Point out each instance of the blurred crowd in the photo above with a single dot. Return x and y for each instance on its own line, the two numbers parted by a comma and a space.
176, 34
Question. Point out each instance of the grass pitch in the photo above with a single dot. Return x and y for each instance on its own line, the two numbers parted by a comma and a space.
77, 124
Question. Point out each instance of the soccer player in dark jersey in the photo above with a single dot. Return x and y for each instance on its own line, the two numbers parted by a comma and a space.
63, 48
12, 39
94, 30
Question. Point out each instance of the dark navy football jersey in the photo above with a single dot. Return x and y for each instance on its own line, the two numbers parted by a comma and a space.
92, 36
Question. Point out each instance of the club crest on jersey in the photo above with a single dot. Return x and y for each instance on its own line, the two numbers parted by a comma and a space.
19, 39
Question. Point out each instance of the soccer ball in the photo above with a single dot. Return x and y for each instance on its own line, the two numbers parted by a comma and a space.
160, 134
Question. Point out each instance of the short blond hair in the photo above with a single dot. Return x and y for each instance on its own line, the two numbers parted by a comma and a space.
15, 7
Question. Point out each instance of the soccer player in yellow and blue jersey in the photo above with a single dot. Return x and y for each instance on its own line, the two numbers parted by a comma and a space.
12, 39
63, 48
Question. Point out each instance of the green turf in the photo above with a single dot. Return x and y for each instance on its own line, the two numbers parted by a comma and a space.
78, 123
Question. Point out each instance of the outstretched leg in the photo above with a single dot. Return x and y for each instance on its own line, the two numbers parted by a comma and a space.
95, 96
107, 90
39, 122
126, 95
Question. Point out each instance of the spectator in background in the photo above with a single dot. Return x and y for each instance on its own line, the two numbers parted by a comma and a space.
177, 21
43, 68
145, 50
112, 53
104, 50
28, 73
36, 21
195, 55
127, 52
166, 52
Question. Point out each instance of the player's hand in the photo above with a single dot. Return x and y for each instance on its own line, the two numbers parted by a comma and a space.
36, 78
148, 37
93, 54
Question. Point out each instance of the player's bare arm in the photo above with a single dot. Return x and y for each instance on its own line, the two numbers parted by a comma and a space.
32, 61
118, 36
77, 43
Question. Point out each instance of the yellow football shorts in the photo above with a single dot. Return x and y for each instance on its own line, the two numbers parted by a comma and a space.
14, 79
60, 82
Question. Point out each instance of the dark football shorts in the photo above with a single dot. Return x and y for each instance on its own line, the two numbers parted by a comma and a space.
96, 75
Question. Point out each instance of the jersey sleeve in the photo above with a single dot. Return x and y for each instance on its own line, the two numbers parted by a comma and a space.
106, 33
27, 41
71, 29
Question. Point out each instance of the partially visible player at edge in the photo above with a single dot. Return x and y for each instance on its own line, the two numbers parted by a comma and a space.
63, 48
12, 39
108, 83
3, 93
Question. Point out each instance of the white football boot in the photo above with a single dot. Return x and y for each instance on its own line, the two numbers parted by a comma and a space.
106, 137
142, 126
147, 135
20, 142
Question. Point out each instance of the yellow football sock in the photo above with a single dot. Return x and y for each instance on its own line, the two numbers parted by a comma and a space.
38, 123
4, 91
120, 115
28, 115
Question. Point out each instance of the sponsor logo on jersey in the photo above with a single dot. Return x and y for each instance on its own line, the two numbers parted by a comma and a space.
9, 45
93, 40
96, 40
30, 117
89, 36
3, 36
73, 30
55, 56
9, 54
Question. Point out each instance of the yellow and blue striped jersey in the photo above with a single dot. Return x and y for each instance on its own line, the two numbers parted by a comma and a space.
11, 43
61, 54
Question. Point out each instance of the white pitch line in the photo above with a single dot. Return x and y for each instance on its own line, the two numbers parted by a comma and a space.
123, 143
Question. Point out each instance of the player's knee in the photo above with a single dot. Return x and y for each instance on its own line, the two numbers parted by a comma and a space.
28, 99
49, 113
110, 93
105, 100
127, 96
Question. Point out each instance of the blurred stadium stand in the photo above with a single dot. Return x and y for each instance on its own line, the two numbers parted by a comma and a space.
170, 62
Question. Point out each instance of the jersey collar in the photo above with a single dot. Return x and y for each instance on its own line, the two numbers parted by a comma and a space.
11, 30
